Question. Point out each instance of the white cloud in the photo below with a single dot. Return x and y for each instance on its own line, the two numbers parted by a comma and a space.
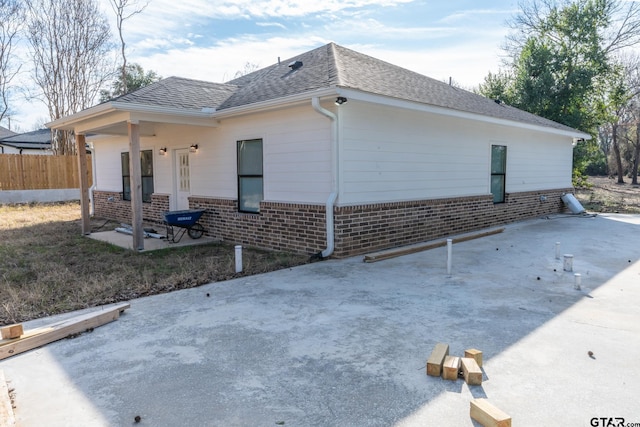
271, 24
219, 63
464, 16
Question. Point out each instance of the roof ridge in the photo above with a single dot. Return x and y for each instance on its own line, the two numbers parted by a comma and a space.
335, 74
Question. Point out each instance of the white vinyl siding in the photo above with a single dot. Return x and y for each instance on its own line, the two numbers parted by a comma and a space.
394, 154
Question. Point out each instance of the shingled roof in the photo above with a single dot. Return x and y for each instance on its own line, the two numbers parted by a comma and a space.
326, 67
34, 140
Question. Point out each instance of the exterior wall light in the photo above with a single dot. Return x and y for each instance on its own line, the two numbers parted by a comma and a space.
163, 151
340, 100
193, 148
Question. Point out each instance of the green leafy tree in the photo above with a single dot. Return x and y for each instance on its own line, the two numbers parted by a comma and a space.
561, 59
135, 78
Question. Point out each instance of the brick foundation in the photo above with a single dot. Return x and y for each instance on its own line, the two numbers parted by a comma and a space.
368, 228
358, 229
109, 204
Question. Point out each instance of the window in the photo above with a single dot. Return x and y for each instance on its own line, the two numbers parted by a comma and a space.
146, 163
250, 175
498, 172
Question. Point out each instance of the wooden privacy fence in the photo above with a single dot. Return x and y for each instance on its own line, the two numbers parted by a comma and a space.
35, 172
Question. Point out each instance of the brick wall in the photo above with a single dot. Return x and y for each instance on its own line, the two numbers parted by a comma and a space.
280, 226
358, 229
368, 228
109, 204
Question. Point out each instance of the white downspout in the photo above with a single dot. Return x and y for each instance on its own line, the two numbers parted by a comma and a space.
331, 200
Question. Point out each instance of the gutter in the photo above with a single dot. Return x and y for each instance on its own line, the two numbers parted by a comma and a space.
331, 200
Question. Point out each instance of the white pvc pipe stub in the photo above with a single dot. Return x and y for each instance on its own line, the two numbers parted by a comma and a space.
577, 281
238, 259
568, 262
557, 250
449, 253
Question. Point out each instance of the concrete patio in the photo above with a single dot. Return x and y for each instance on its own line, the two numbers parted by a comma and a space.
344, 343
150, 244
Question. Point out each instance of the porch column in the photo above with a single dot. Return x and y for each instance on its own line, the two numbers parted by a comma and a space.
84, 183
135, 172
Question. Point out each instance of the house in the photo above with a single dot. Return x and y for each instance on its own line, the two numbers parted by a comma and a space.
332, 153
35, 142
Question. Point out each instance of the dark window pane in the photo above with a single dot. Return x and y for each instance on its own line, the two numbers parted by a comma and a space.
250, 157
250, 193
497, 188
498, 158
146, 167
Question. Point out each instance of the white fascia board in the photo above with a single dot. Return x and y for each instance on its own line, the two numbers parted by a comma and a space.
411, 105
276, 103
67, 122
70, 122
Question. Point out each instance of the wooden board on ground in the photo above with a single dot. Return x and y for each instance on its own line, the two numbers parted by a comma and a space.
474, 354
488, 415
12, 331
471, 371
436, 359
419, 247
450, 368
7, 417
38, 337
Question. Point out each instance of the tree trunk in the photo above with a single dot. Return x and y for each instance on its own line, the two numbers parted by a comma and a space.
636, 157
616, 153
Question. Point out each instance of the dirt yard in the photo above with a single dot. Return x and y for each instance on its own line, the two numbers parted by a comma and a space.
47, 267
606, 195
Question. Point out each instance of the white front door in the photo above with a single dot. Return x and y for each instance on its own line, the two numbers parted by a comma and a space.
182, 179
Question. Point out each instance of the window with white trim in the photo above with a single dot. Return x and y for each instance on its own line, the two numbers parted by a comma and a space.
146, 163
498, 172
250, 179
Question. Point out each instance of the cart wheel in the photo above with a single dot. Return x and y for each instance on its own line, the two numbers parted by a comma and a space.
196, 231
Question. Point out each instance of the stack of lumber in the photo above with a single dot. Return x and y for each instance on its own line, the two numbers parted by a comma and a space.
16, 341
441, 364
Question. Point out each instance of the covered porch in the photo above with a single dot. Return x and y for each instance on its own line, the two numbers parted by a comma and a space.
133, 121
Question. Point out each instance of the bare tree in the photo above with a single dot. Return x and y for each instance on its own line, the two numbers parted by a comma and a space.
72, 57
11, 18
249, 67
125, 9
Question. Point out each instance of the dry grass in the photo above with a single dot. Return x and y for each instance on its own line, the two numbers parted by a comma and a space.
603, 194
47, 267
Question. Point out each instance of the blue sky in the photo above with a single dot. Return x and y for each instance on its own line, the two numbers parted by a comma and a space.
213, 39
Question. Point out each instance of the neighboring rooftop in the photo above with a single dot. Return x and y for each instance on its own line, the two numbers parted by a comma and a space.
34, 140
329, 66
4, 132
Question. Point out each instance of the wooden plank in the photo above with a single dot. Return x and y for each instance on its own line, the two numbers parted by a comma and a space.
474, 354
488, 415
419, 247
12, 331
471, 371
436, 359
7, 417
56, 331
450, 368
